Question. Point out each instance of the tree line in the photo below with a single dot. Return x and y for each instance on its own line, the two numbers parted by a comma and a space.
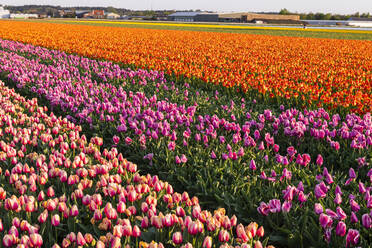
325, 16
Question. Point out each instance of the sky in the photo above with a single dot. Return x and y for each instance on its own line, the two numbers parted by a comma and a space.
303, 6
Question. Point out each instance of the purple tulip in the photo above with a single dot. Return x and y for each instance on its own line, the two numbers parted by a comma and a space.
362, 188
275, 206
177, 159
286, 207
331, 213
252, 165
213, 155
263, 209
352, 237
354, 205
367, 221
341, 229
340, 213
319, 192
353, 218
338, 199
325, 221
319, 160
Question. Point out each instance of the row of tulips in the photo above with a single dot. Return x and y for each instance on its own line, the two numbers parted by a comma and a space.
59, 190
302, 70
222, 149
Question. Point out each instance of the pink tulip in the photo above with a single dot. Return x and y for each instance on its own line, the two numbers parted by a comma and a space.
178, 160
55, 220
100, 244
207, 243
43, 216
177, 238
353, 218
240, 233
145, 222
117, 231
260, 232
127, 230
180, 211
263, 209
354, 205
80, 240
116, 139
258, 244
121, 207
36, 240
74, 211
136, 231
252, 228
275, 206
9, 240
286, 207
223, 236
338, 199
193, 228
319, 192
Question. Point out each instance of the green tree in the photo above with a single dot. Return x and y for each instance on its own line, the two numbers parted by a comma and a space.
284, 12
111, 9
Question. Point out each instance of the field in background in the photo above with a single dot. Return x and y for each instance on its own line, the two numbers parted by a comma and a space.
304, 71
294, 31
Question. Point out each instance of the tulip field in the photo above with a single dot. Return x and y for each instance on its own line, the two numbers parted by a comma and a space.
124, 137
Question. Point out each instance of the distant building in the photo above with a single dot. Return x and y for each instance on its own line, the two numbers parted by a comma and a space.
193, 17
24, 16
96, 14
66, 13
359, 22
257, 18
233, 17
4, 13
325, 22
112, 16
139, 17
81, 13
43, 15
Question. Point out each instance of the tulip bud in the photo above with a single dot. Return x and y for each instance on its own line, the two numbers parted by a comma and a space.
260, 232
